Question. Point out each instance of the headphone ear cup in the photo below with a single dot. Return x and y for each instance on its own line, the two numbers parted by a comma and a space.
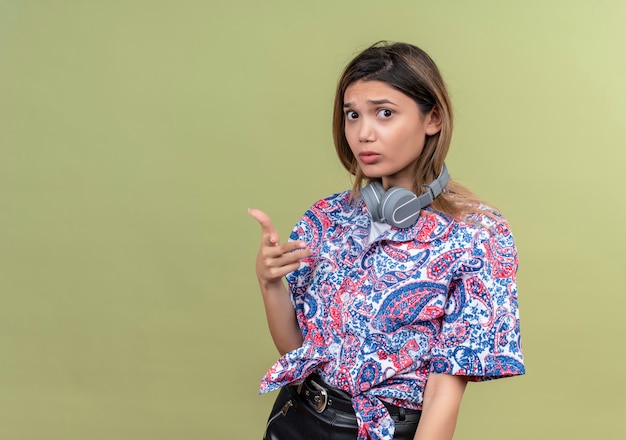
400, 207
373, 195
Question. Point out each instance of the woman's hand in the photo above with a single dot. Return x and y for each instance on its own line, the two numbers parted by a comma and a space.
273, 262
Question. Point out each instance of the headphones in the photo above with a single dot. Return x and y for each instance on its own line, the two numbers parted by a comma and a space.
398, 206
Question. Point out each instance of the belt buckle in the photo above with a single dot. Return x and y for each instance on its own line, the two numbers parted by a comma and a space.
321, 401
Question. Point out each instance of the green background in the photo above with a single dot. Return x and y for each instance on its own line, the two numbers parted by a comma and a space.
135, 134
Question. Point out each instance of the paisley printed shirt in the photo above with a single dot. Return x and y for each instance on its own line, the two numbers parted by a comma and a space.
379, 315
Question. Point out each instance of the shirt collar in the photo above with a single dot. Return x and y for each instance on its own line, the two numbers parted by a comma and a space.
430, 226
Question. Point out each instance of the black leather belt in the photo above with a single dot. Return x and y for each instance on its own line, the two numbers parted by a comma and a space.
321, 396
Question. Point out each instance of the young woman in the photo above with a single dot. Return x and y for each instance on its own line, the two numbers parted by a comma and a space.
399, 292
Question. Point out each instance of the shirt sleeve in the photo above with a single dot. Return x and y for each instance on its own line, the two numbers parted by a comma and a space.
303, 230
480, 333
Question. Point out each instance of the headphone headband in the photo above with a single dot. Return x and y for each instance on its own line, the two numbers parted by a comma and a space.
434, 188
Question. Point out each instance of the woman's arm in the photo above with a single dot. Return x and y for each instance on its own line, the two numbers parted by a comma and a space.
273, 262
442, 400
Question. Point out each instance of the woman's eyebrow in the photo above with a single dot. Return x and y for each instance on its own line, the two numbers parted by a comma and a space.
372, 102
380, 101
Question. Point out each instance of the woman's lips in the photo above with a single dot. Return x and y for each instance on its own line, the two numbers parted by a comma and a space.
369, 157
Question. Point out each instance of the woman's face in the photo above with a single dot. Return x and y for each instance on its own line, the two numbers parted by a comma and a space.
386, 131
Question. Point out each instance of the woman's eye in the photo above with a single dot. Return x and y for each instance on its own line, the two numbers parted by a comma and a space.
385, 113
351, 115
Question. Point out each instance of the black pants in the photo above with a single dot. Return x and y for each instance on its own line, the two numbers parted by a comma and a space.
294, 418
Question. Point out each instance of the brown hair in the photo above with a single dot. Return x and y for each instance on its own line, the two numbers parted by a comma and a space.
410, 70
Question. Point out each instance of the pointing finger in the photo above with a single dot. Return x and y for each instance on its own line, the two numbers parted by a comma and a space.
267, 228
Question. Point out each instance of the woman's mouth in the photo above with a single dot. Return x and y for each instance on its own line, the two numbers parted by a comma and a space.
369, 157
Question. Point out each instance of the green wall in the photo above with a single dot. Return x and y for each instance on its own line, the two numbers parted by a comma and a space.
135, 134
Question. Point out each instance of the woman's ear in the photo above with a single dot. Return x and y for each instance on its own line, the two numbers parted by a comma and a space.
433, 121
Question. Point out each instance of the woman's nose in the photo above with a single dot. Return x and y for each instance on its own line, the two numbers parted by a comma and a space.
366, 132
